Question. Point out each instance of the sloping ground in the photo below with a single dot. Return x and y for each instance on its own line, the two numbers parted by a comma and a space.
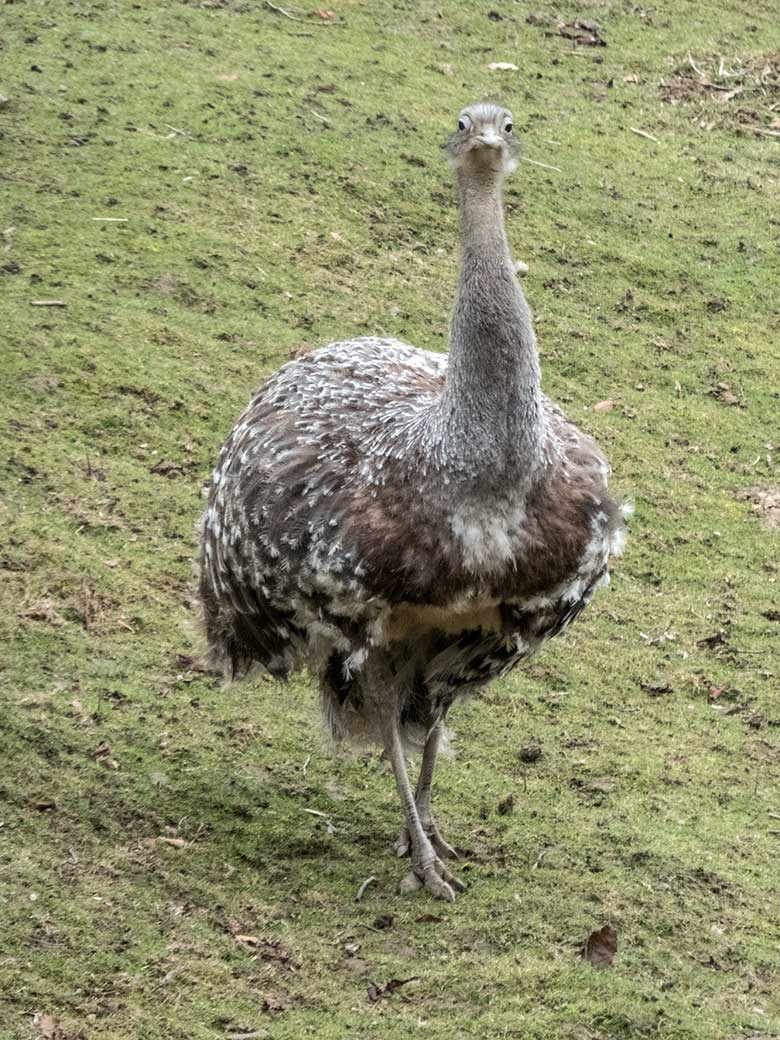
207, 187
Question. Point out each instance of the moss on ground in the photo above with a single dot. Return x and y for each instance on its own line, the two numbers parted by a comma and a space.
274, 182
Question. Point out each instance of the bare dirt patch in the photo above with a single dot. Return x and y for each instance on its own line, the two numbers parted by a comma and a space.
765, 501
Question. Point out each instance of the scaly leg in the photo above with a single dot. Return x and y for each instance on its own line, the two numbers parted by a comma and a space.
422, 800
427, 867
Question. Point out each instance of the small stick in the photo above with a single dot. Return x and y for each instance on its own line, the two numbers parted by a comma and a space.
306, 764
362, 890
694, 66
765, 133
175, 129
323, 816
544, 165
112, 220
541, 856
281, 10
318, 116
295, 18
339, 936
48, 303
644, 133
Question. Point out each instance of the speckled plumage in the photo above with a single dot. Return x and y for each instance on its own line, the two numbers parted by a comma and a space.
335, 502
379, 501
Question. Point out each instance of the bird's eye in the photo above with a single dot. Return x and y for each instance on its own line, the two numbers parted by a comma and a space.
464, 123
508, 128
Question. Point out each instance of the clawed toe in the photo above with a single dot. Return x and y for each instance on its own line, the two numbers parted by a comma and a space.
436, 878
443, 850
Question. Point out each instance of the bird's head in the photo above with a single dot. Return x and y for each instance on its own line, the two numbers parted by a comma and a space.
484, 142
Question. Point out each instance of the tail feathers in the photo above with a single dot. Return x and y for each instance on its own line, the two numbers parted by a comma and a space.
243, 629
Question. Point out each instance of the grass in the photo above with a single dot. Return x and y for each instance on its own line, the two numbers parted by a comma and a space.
279, 184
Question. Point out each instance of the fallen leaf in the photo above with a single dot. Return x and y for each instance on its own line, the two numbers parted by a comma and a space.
631, 78
725, 693
255, 1034
600, 947
502, 66
604, 406
228, 77
325, 15
427, 919
177, 843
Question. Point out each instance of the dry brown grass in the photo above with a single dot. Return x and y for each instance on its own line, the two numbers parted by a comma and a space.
728, 92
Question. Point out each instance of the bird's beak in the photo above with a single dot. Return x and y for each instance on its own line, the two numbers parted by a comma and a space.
490, 139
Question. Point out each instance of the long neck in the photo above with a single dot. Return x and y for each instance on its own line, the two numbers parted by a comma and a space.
492, 399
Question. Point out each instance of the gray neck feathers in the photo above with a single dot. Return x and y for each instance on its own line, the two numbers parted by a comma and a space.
491, 405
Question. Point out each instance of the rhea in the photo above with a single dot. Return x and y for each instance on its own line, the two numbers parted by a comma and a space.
410, 524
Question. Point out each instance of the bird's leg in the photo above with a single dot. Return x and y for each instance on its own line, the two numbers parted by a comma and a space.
427, 867
422, 800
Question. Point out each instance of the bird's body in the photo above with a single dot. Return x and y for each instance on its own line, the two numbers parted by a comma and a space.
409, 524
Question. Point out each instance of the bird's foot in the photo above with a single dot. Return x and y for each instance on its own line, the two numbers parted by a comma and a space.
442, 849
429, 872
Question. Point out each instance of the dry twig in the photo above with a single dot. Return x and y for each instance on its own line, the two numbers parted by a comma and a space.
362, 890
644, 133
281, 10
544, 165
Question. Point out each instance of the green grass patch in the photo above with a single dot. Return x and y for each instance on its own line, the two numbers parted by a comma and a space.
208, 187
